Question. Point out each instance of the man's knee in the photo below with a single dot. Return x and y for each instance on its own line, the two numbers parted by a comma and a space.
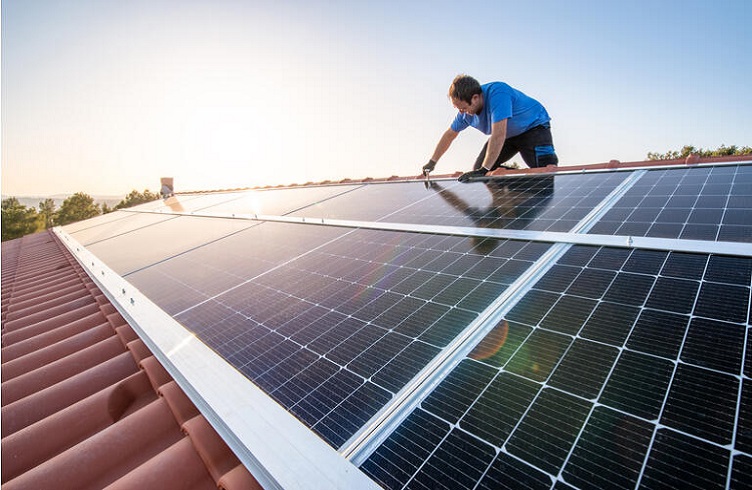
545, 155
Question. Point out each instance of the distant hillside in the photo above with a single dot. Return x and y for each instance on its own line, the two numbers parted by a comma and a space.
33, 201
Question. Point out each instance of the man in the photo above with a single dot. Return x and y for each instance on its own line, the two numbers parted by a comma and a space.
514, 122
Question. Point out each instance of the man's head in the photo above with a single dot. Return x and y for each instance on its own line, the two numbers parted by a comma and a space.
466, 94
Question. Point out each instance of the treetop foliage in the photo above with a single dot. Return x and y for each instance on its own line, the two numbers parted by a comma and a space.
688, 150
18, 220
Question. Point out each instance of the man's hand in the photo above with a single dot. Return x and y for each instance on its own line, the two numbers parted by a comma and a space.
428, 167
473, 174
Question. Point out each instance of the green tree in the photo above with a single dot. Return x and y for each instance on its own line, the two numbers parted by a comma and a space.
688, 150
47, 213
77, 207
17, 219
135, 198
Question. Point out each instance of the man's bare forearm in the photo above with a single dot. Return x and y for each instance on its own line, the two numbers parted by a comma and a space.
443, 145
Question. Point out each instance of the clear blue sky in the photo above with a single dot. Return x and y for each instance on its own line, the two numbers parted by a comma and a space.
106, 96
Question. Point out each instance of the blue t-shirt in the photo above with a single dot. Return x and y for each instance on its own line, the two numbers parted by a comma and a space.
500, 101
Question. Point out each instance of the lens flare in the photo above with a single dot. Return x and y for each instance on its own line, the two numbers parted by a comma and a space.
492, 344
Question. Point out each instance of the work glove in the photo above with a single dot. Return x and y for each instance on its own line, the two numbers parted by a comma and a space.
428, 167
473, 174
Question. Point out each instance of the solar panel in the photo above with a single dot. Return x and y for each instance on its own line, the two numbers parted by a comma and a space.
124, 250
279, 201
597, 388
541, 202
335, 322
433, 354
107, 225
703, 203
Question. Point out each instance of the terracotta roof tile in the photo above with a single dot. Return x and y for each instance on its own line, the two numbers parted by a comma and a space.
84, 402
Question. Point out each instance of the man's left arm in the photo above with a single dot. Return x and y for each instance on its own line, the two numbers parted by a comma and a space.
495, 143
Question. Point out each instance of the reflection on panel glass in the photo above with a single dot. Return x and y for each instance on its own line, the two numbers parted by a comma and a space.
706, 203
333, 322
186, 280
120, 223
603, 375
176, 203
538, 203
103, 219
160, 238
278, 202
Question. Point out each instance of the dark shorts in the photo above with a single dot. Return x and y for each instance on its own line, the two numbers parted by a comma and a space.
535, 146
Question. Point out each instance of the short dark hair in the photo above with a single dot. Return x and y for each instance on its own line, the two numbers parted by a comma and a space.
463, 88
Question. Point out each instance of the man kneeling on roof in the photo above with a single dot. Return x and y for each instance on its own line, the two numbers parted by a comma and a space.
514, 122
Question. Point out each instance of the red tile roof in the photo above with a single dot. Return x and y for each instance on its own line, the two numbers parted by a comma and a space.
84, 402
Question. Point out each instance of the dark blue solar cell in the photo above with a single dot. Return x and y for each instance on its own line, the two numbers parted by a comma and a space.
702, 403
396, 460
393, 312
659, 333
609, 258
532, 251
404, 366
610, 323
706, 216
638, 384
448, 327
500, 343
496, 413
732, 233
331, 393
459, 462
729, 270
354, 411
378, 354
741, 470
356, 344
645, 261
584, 368
558, 278
578, 255
549, 429
744, 424
665, 230
674, 295
610, 452
723, 302
684, 265
457, 291
283, 372
699, 232
539, 354
336, 335
715, 345
629, 289
532, 307
591, 283
569, 314
451, 399
484, 294
508, 272
681, 461
508, 473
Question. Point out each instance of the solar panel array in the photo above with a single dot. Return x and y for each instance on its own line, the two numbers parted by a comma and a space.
481, 360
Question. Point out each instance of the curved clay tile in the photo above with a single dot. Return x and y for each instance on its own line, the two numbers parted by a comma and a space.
85, 404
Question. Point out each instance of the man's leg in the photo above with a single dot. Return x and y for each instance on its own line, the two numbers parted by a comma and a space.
507, 151
537, 147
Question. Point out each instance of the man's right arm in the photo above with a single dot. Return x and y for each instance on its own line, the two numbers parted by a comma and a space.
442, 146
